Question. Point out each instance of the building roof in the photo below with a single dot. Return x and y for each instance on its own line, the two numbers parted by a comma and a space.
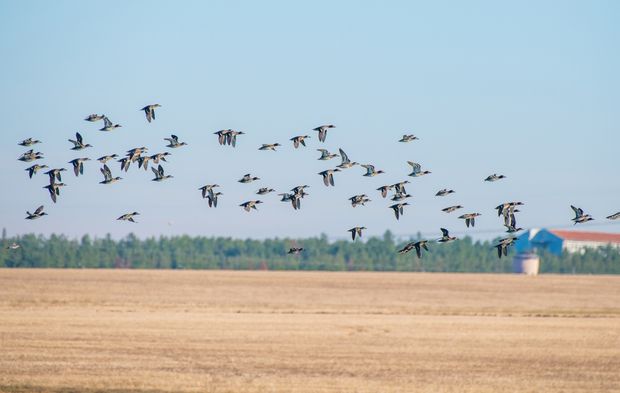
600, 237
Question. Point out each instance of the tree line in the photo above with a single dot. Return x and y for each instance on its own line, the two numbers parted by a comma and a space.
373, 254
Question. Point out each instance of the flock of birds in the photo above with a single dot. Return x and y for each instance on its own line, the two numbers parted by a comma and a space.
506, 211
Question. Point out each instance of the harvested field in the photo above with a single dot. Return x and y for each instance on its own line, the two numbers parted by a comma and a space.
238, 331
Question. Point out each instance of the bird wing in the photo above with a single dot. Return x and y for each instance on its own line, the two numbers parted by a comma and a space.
417, 168
39, 210
418, 251
106, 122
107, 173
175, 138
156, 172
445, 232
160, 170
331, 178
425, 246
578, 211
345, 158
78, 137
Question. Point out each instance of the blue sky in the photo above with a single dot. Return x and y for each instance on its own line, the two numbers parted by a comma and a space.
527, 89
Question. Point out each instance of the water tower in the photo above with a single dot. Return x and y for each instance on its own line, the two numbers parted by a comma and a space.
526, 263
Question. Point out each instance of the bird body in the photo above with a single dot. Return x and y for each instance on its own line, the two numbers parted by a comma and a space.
107, 175
444, 192
418, 246
128, 217
326, 155
149, 111
371, 171
408, 138
346, 162
494, 177
108, 125
247, 178
249, 205
450, 209
269, 146
322, 130
94, 117
445, 236
78, 142
300, 139
174, 142
37, 214
470, 219
359, 200
159, 174
356, 231
264, 190
29, 142
613, 216
399, 209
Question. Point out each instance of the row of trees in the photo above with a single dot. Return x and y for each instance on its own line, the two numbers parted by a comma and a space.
374, 254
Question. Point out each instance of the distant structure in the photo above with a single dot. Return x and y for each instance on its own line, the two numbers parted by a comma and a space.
526, 263
557, 241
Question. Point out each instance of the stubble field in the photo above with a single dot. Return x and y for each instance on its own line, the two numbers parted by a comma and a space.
223, 331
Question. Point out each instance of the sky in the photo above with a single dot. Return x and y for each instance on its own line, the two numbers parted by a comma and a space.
527, 89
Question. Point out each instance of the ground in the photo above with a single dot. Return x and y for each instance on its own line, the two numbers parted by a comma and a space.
235, 331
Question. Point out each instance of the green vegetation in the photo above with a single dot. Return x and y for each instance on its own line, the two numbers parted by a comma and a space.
374, 254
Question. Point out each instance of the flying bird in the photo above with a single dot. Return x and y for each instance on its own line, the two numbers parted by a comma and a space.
399, 209
94, 117
371, 171
174, 142
408, 138
450, 209
78, 142
415, 245
417, 169
247, 178
128, 217
149, 111
580, 217
159, 174
78, 165
470, 219
300, 139
29, 142
356, 231
108, 125
494, 177
322, 130
34, 169
444, 192
326, 155
445, 236
107, 175
37, 214
328, 176
269, 146
249, 205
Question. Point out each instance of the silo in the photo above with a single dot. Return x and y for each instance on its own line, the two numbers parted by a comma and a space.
526, 263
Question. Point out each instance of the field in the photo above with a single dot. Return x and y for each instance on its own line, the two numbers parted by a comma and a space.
222, 331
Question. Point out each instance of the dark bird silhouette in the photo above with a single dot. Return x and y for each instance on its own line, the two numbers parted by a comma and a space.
328, 176
450, 209
37, 214
107, 175
300, 139
34, 169
356, 231
418, 246
128, 217
149, 111
470, 219
445, 236
322, 130
78, 165
78, 142
399, 209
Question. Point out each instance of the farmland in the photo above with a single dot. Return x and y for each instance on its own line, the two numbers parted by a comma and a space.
247, 331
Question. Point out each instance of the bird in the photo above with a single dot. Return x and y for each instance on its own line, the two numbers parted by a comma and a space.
503, 244
444, 192
399, 209
29, 142
419, 245
134, 154
264, 190
470, 218
37, 213
54, 190
370, 170
159, 156
125, 162
300, 139
346, 162
328, 176
247, 178
94, 117
510, 220
384, 190
105, 159
143, 162
295, 250
269, 146
580, 217
78, 143
613, 216
408, 138
359, 200
159, 174
326, 155
417, 169
78, 165
450, 209
400, 197
12, 246
299, 189
30, 155
445, 236
356, 231
249, 205
494, 177
231, 137
221, 136
34, 169
322, 130
107, 174
149, 111
400, 187
208, 189
212, 198
174, 142
108, 125
506, 205
55, 174
128, 217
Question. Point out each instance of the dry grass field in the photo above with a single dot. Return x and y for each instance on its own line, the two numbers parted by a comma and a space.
222, 331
